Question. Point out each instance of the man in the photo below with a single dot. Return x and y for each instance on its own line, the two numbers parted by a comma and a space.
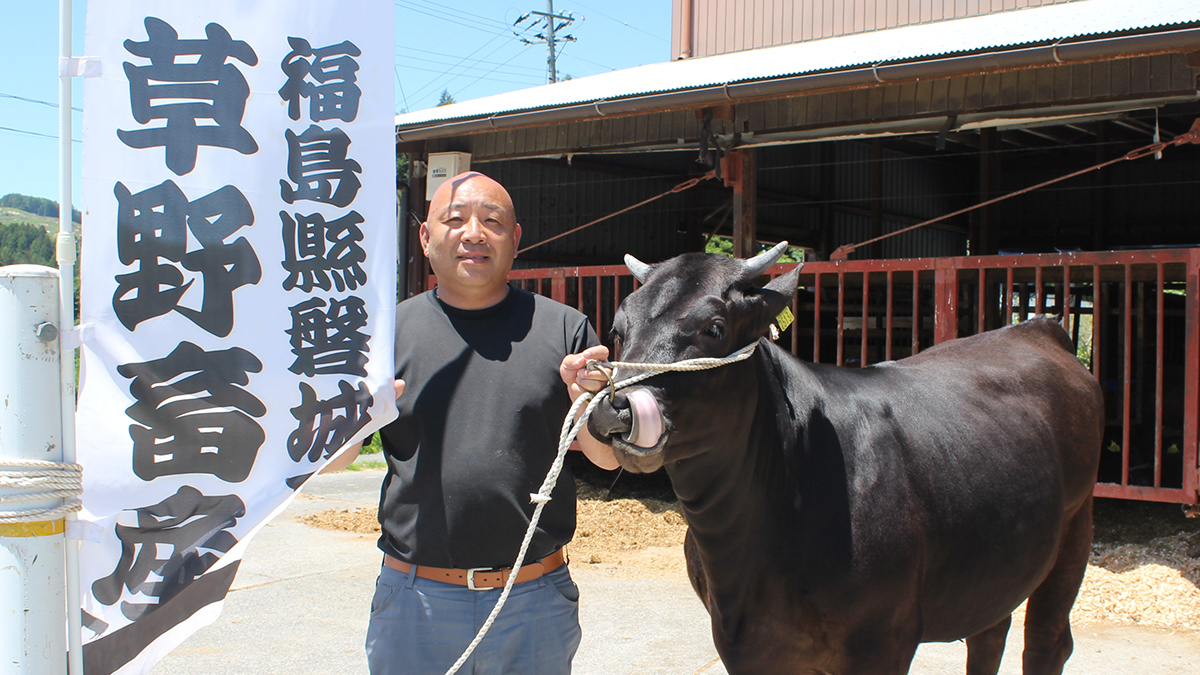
491, 372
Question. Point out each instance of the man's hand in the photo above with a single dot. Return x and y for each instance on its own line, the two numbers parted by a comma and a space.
574, 373
347, 456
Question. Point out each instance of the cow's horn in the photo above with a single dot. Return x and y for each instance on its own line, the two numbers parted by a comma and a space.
640, 269
759, 263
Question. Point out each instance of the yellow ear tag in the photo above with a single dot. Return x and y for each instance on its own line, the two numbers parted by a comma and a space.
784, 319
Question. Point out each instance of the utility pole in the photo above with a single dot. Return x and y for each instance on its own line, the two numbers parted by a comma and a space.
549, 35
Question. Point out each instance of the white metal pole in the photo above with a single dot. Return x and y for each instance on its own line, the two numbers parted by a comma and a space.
32, 604
65, 255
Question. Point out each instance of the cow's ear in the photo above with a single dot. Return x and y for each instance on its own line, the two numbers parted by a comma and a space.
768, 302
785, 284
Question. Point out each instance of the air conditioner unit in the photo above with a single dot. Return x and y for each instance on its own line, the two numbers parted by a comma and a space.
444, 166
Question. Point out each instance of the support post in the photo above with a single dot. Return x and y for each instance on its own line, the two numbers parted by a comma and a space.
33, 603
416, 266
745, 202
945, 317
989, 181
876, 250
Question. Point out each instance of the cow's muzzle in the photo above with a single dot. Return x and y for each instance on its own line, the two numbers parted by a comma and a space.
631, 416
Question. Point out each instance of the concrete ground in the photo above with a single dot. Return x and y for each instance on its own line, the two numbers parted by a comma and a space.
299, 607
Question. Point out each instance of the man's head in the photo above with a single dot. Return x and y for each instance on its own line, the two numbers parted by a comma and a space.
471, 237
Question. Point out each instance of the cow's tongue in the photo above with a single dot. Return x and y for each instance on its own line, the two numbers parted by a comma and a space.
647, 424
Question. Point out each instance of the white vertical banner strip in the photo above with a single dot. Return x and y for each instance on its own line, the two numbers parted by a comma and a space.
239, 275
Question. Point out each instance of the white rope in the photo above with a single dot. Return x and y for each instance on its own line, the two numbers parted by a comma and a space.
39, 480
570, 429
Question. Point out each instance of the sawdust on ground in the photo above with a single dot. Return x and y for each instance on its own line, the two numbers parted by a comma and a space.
1144, 568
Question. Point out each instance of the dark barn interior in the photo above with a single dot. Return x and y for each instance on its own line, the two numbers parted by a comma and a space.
1111, 250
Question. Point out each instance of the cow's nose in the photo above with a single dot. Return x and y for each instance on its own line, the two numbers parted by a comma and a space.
611, 418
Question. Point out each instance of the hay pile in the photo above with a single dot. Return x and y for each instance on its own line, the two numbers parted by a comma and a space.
1140, 572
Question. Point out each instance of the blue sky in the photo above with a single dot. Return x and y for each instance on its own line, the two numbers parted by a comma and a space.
469, 48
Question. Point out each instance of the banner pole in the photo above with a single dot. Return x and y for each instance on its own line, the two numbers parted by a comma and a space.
65, 255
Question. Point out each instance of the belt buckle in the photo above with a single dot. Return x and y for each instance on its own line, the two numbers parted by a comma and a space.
471, 578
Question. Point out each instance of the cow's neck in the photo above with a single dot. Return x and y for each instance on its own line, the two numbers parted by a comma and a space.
732, 493
741, 498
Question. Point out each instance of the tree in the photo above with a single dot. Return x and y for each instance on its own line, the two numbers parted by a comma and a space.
25, 244
724, 246
446, 98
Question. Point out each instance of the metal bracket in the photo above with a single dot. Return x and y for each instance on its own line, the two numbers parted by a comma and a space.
79, 66
74, 338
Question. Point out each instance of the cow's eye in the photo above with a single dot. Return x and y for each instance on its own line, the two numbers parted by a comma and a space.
715, 330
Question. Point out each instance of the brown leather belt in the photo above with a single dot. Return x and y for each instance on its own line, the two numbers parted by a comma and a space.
480, 578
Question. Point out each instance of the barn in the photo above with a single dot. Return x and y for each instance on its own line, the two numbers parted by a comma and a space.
895, 142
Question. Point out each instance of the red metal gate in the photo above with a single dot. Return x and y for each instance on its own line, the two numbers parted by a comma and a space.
1133, 316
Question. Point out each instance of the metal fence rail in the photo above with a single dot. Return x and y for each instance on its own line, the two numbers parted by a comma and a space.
1133, 316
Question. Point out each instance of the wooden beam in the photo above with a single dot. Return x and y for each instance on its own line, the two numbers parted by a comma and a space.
745, 202
416, 267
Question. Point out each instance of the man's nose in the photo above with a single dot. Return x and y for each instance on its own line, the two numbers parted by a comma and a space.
473, 230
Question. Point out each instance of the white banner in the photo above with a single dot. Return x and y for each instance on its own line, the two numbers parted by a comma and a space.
239, 276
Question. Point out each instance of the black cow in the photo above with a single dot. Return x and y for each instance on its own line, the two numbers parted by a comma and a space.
837, 518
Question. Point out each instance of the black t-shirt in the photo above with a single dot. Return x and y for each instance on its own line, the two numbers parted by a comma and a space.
478, 429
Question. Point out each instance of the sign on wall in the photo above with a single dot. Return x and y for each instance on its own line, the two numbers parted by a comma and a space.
238, 290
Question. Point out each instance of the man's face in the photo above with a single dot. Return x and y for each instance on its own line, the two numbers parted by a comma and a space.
470, 238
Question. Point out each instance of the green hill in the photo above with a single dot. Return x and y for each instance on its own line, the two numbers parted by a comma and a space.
35, 206
9, 215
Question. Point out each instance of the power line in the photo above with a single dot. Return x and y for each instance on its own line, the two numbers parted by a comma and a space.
470, 16
446, 83
461, 60
539, 70
459, 22
594, 63
34, 100
627, 25
396, 69
496, 79
490, 71
34, 133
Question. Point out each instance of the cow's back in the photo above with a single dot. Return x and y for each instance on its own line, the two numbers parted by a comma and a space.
963, 463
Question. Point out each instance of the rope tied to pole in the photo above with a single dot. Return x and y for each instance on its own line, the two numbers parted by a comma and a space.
31, 480
570, 429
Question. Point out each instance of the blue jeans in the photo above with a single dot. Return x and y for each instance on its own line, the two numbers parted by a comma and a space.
421, 627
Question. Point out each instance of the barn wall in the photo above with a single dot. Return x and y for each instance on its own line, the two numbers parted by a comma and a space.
801, 188
911, 189
1125, 205
553, 198
722, 26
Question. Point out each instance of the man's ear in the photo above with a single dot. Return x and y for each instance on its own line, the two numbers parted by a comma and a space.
423, 235
516, 238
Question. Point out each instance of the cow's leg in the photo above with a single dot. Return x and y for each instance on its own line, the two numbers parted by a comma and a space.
985, 649
1048, 640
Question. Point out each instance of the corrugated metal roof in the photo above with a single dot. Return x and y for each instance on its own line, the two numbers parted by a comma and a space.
994, 31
